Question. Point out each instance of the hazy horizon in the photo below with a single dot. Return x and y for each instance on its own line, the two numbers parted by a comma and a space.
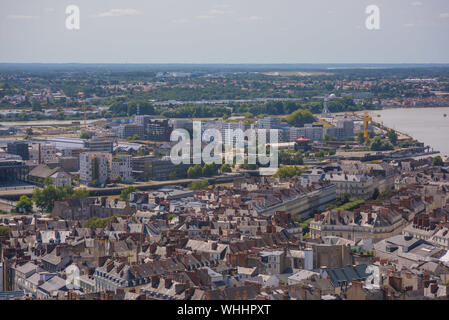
225, 32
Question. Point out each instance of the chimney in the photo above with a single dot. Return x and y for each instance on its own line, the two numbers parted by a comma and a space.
170, 249
168, 283
155, 281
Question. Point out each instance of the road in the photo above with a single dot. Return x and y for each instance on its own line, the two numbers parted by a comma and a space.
15, 194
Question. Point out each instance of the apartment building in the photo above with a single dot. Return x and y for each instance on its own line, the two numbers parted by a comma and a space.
309, 131
94, 168
121, 167
128, 130
43, 153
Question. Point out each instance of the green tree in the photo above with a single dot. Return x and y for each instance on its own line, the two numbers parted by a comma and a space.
29, 131
360, 137
96, 222
288, 172
199, 185
134, 137
195, 172
125, 194
172, 175
76, 178
392, 136
24, 205
379, 145
320, 154
300, 117
4, 231
84, 135
80, 193
45, 198
437, 162
225, 168
209, 170
48, 181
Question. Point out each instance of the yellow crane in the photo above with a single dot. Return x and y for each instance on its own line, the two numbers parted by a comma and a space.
366, 120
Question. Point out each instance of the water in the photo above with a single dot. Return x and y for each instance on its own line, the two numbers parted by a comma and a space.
428, 125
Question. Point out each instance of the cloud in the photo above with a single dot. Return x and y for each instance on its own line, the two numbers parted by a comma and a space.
408, 25
119, 13
252, 18
21, 17
205, 17
49, 10
416, 4
444, 15
216, 11
221, 6
181, 21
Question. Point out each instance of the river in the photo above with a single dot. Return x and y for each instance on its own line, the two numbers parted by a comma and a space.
428, 125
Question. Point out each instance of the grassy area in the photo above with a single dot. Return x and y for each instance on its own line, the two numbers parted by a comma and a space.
353, 204
325, 124
305, 224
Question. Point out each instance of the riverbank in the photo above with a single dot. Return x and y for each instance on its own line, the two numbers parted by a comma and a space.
427, 125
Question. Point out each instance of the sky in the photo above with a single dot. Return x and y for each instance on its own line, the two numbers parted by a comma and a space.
224, 31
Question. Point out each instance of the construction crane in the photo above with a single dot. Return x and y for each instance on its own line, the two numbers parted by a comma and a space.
366, 120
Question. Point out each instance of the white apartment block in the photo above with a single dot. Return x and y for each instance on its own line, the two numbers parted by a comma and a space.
121, 167
94, 168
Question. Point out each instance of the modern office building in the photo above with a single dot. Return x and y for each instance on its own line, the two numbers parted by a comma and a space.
343, 130
94, 168
98, 145
12, 169
158, 130
19, 148
309, 131
269, 123
150, 168
128, 130
232, 132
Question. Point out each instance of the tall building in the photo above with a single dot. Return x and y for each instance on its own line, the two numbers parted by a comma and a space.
231, 132
19, 148
348, 127
121, 167
43, 153
129, 130
94, 168
98, 145
158, 130
343, 130
150, 168
309, 131
12, 169
142, 120
269, 123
